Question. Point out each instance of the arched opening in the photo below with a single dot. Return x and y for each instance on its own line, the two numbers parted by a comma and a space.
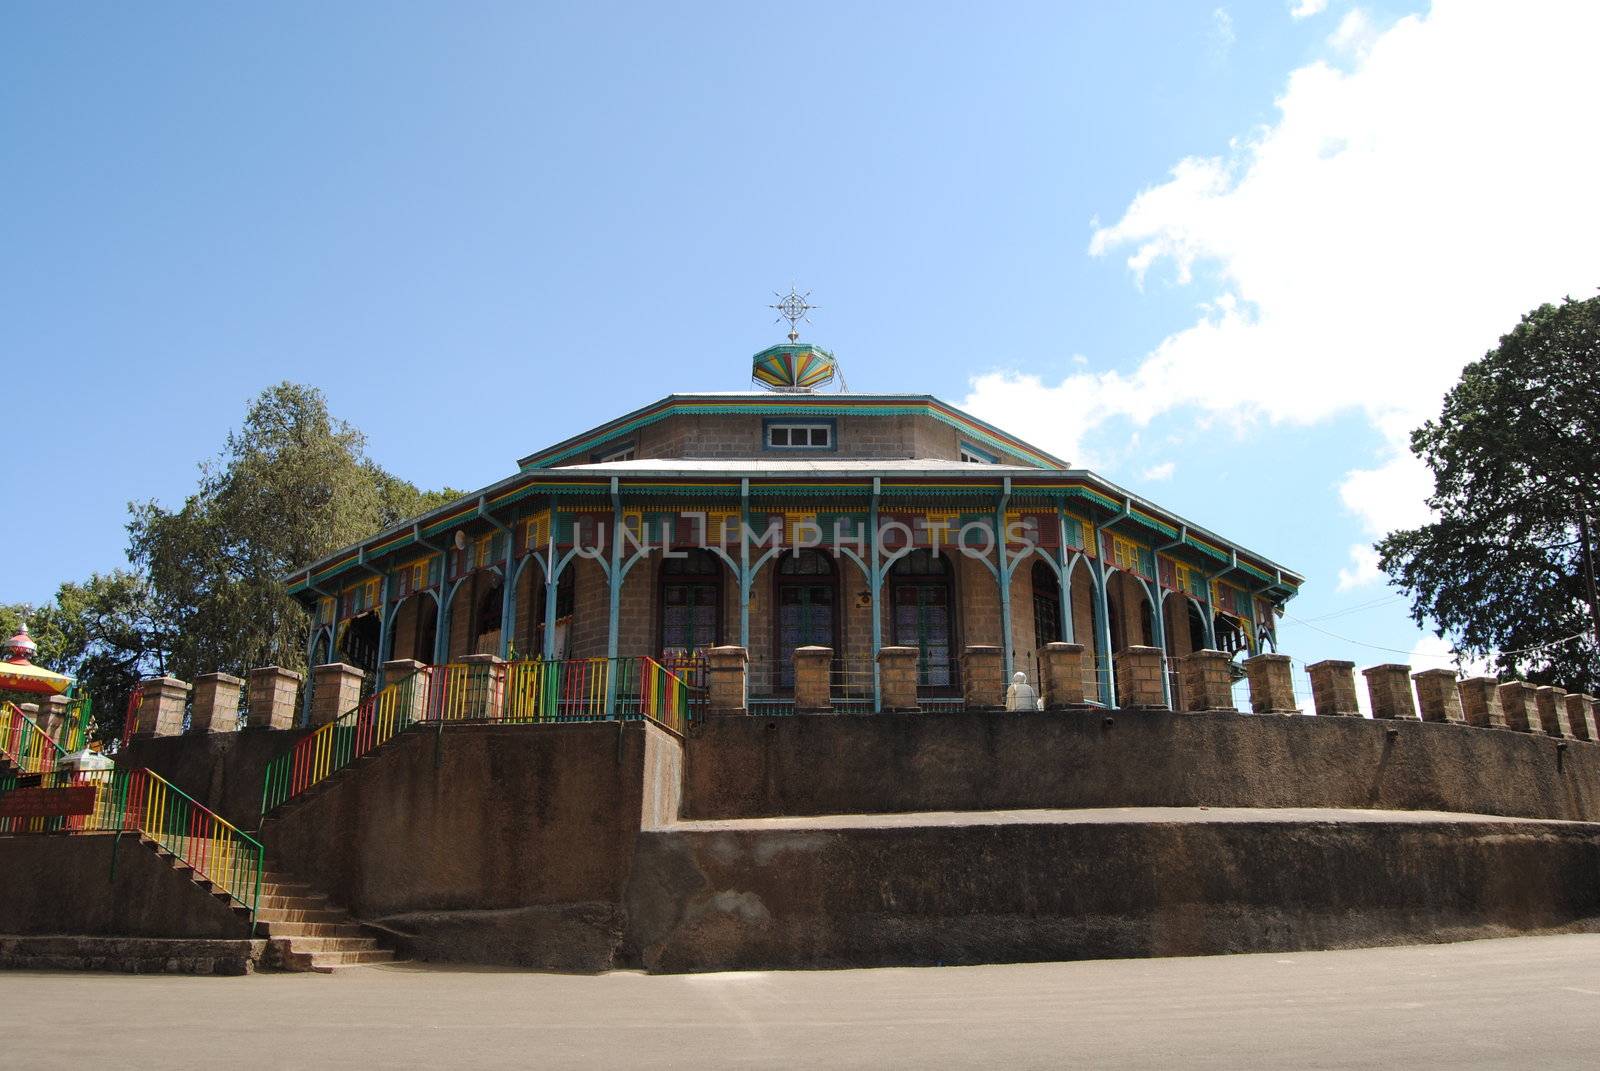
1147, 624
1114, 614
1231, 638
1046, 606
921, 597
322, 648
486, 618
805, 598
358, 646
1197, 626
566, 588
691, 606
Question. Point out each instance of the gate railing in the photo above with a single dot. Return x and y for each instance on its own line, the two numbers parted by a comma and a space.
26, 746
512, 693
142, 801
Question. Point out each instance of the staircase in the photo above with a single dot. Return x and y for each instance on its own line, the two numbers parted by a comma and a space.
307, 932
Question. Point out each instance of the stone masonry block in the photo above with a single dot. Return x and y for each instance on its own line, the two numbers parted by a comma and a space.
1580, 716
897, 677
1139, 671
1521, 710
485, 682
1271, 687
1207, 680
162, 705
1480, 703
1333, 688
1061, 675
335, 689
216, 703
813, 668
983, 684
726, 686
273, 691
1552, 706
408, 678
1438, 696
1389, 688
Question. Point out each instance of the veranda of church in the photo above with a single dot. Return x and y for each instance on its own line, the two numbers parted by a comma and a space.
774, 522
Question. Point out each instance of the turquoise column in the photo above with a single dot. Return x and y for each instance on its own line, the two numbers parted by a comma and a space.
875, 581
1097, 588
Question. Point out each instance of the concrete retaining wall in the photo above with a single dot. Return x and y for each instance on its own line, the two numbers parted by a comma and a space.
223, 771
966, 892
487, 844
846, 764
90, 884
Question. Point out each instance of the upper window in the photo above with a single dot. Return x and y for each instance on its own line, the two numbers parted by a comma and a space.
802, 436
620, 453
972, 455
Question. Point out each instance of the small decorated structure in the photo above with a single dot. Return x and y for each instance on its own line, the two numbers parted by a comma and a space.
19, 674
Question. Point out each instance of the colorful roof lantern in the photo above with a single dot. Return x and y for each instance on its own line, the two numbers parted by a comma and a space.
19, 674
797, 366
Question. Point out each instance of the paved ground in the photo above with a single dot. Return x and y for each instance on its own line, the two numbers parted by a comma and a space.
1521, 1002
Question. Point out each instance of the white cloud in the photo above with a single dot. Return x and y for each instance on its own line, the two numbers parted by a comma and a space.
1395, 220
1363, 568
1431, 652
1356, 34
1222, 32
1304, 9
1162, 471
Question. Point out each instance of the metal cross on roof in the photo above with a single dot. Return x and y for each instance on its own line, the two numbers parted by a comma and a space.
794, 309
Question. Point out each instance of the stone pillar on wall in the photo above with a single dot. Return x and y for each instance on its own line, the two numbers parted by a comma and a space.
1271, 687
1138, 671
813, 667
32, 713
1333, 688
335, 689
726, 670
983, 684
410, 683
161, 706
273, 691
1438, 696
1580, 715
1552, 706
1207, 683
1061, 675
897, 677
486, 686
1522, 713
1389, 688
216, 703
53, 715
1480, 703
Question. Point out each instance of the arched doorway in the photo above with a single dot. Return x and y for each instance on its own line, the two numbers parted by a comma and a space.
358, 645
1197, 626
486, 618
806, 601
691, 606
1046, 606
921, 598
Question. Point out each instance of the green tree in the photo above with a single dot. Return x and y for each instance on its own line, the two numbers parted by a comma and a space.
290, 486
1507, 565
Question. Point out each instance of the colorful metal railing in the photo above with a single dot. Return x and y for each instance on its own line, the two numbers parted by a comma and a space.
24, 745
73, 735
130, 717
515, 693
142, 801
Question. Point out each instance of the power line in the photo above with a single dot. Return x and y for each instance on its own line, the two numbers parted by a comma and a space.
1396, 650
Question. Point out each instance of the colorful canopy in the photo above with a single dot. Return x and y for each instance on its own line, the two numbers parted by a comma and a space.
17, 674
797, 366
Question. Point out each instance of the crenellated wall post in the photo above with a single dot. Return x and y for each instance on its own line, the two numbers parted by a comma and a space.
897, 677
726, 670
336, 688
1207, 683
1389, 688
1333, 688
1580, 715
813, 667
1522, 714
1439, 697
1271, 686
1480, 703
1061, 676
1552, 706
161, 706
1139, 673
216, 703
983, 685
273, 691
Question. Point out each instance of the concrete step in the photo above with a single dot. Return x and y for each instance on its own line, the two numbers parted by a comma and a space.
311, 902
320, 945
325, 962
311, 929
324, 914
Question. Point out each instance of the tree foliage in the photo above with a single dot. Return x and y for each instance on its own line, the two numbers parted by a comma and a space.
1503, 568
207, 591
290, 486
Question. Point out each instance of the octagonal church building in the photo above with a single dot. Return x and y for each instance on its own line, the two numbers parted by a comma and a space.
797, 517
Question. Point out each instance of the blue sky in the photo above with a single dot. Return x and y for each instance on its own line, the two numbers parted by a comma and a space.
480, 228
